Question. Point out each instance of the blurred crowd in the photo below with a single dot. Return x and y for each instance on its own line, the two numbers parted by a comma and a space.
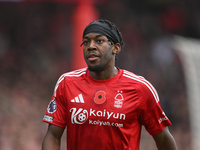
35, 49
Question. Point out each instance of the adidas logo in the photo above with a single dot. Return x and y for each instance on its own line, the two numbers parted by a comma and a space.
78, 99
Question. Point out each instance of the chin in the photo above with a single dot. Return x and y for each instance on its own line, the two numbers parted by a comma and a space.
96, 68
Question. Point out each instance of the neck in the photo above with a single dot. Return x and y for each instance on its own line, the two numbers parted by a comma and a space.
105, 74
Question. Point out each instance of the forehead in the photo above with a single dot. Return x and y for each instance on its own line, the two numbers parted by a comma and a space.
94, 35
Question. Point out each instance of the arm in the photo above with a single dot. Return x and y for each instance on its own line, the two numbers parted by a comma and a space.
52, 138
165, 141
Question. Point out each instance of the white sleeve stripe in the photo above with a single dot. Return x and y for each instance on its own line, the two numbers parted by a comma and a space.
57, 84
150, 87
75, 75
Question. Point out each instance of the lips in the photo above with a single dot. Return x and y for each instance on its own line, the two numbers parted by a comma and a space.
92, 56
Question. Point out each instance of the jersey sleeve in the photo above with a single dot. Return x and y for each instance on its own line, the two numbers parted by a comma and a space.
55, 113
151, 114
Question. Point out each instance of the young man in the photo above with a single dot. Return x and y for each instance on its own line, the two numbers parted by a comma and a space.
103, 107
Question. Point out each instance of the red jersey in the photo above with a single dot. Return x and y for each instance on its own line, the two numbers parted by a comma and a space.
105, 114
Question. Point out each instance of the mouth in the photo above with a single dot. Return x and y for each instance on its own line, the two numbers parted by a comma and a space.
92, 56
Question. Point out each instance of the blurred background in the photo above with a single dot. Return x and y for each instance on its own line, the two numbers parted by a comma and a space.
38, 43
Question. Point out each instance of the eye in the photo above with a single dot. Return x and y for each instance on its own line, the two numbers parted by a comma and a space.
99, 41
85, 43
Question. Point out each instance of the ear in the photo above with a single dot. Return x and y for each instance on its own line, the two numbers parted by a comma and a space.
116, 48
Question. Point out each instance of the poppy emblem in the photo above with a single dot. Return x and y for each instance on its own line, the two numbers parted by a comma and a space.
100, 97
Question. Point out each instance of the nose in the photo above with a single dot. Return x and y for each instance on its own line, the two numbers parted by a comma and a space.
92, 45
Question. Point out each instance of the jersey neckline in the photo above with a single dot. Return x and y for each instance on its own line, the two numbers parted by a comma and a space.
107, 81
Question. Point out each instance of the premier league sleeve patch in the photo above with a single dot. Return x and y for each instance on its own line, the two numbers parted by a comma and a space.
52, 106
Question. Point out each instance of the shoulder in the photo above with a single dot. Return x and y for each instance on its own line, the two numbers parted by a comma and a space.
143, 85
73, 75
135, 79
131, 76
69, 77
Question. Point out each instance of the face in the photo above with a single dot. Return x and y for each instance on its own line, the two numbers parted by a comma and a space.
99, 52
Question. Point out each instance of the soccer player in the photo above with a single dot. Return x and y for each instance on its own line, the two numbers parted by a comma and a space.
102, 106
